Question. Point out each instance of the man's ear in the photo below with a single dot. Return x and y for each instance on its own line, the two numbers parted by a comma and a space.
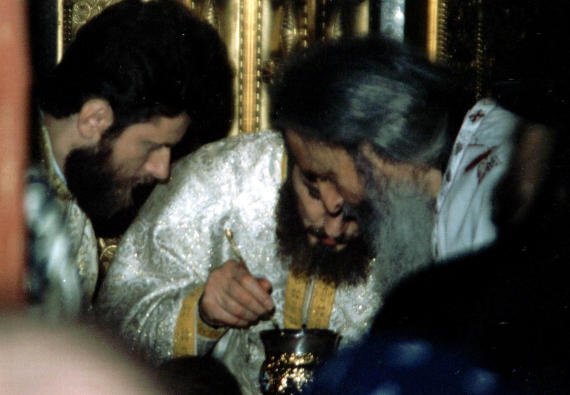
95, 117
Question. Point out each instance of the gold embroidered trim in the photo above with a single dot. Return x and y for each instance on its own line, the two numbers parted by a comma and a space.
294, 299
321, 305
107, 249
322, 301
185, 331
284, 167
209, 332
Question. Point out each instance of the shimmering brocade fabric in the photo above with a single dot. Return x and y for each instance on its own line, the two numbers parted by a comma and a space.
81, 236
178, 238
54, 291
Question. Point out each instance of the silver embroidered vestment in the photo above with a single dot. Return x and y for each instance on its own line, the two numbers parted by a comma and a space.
178, 238
80, 233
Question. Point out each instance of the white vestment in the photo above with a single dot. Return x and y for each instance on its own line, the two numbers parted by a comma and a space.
152, 289
480, 157
80, 233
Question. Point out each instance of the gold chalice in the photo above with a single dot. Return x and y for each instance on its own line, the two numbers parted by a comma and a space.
291, 357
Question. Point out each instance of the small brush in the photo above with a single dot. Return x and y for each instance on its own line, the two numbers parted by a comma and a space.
235, 249
230, 237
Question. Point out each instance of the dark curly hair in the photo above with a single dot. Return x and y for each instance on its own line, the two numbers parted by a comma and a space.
146, 59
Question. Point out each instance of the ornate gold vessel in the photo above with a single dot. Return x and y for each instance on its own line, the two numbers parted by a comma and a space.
291, 357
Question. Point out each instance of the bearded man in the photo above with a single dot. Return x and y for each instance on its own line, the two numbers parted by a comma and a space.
116, 111
302, 212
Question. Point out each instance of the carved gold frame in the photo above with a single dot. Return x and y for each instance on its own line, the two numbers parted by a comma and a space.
434, 7
447, 32
259, 34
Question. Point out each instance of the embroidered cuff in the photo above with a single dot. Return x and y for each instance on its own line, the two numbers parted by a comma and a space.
209, 332
186, 325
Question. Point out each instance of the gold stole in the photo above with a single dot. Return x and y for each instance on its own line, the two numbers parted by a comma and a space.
320, 305
322, 297
187, 325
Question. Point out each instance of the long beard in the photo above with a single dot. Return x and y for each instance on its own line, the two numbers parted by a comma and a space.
109, 200
399, 225
350, 265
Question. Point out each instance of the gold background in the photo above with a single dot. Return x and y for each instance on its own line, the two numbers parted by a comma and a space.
259, 34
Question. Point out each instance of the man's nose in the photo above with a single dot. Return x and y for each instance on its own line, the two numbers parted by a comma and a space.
334, 226
331, 198
158, 164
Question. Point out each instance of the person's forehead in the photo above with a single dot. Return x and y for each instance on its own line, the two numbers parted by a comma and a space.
315, 156
160, 129
318, 159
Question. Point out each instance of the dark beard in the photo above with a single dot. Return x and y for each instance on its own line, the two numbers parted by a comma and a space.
110, 202
347, 266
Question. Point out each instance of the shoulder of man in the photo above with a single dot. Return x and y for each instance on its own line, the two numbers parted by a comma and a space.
225, 165
241, 152
492, 123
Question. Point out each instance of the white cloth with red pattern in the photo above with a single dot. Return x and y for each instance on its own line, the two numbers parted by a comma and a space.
480, 157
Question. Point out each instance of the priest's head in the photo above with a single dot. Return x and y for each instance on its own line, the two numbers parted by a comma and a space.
142, 84
369, 125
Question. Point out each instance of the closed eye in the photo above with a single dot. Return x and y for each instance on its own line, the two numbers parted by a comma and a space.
309, 181
151, 146
313, 191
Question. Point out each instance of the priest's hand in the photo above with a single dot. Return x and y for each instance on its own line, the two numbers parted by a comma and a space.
233, 297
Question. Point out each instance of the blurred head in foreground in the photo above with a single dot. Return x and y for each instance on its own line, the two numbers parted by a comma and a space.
61, 359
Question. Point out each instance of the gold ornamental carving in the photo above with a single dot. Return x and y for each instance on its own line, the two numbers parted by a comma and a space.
249, 75
458, 36
83, 10
259, 35
74, 14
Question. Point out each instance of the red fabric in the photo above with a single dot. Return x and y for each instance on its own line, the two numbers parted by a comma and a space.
14, 93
